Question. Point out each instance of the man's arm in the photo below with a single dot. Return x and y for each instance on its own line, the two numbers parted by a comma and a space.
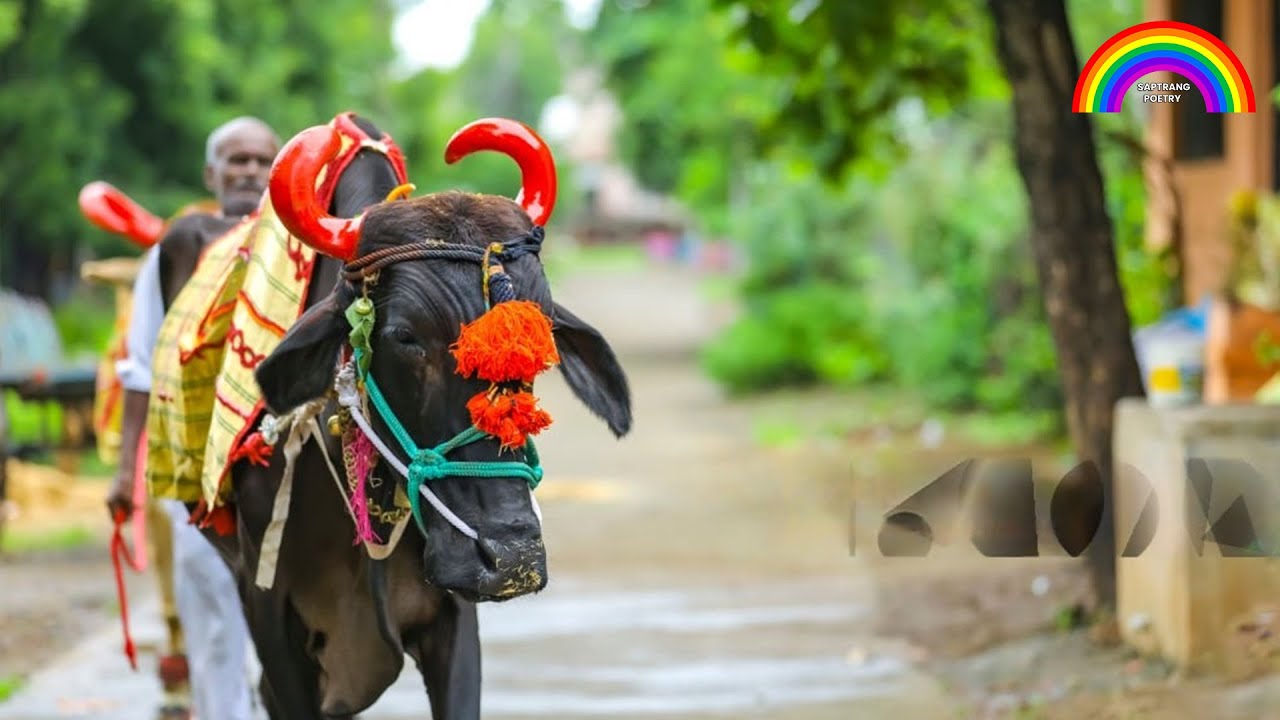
134, 371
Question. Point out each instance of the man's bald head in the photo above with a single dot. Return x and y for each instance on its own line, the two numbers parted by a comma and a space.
238, 157
244, 123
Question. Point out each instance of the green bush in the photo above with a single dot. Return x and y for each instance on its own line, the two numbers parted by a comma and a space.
31, 422
925, 279
801, 335
85, 321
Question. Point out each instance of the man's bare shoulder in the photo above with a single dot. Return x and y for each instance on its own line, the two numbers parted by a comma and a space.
193, 229
181, 247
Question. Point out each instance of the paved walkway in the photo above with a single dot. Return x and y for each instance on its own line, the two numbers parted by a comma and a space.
691, 575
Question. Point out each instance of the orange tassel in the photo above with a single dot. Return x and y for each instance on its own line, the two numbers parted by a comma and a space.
510, 417
512, 341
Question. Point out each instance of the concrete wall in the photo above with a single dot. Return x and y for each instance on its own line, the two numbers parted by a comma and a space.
1190, 608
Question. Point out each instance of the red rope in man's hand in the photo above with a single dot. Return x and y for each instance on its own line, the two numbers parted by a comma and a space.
120, 555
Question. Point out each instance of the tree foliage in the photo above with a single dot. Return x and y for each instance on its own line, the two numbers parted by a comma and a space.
693, 102
128, 90
848, 66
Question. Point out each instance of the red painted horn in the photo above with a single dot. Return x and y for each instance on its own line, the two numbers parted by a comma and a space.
519, 142
293, 194
110, 209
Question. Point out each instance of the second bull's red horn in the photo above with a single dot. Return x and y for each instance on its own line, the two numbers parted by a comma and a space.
110, 209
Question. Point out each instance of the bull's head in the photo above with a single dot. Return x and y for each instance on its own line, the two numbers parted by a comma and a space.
427, 267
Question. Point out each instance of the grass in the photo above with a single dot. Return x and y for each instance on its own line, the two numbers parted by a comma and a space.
777, 433
785, 417
65, 538
1006, 428
9, 686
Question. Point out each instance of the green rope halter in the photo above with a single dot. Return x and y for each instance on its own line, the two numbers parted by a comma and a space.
428, 464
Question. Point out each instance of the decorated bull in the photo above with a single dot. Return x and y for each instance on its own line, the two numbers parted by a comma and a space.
398, 408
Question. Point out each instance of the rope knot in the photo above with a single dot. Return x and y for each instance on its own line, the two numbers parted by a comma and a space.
427, 465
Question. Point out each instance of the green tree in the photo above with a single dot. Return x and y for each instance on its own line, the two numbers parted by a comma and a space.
127, 90
694, 102
514, 66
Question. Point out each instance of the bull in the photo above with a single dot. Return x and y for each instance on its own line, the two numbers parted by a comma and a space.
333, 628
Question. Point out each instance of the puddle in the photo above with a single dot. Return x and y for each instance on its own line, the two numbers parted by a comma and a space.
717, 685
669, 612
575, 652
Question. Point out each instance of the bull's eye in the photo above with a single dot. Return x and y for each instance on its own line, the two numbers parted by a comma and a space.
404, 336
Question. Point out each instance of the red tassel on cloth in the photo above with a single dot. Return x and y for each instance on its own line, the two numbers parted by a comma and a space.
222, 519
254, 449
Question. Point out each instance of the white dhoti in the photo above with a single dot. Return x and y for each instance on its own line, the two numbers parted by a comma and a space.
217, 638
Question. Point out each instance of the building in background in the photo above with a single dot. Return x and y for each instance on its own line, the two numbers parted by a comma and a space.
1212, 156
584, 121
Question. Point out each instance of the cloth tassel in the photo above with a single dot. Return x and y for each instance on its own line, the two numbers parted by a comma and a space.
254, 449
362, 452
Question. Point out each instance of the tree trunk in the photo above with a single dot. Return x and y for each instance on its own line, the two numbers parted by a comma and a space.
1075, 256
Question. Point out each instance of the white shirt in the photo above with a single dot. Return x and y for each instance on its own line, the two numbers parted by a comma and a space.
145, 317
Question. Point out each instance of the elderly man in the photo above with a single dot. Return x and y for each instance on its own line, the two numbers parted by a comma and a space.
238, 161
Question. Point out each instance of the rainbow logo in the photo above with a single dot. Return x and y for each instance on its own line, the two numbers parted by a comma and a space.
1130, 55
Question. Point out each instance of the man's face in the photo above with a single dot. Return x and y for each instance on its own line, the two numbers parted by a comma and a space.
242, 164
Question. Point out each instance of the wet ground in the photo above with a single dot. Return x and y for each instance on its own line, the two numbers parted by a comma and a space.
694, 574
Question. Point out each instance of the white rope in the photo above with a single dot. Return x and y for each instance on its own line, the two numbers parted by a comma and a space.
315, 432
537, 510
349, 398
299, 423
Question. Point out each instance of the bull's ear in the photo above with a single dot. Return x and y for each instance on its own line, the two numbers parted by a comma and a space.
592, 370
303, 365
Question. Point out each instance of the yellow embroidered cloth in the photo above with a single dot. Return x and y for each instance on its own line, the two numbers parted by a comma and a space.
246, 292
185, 364
270, 299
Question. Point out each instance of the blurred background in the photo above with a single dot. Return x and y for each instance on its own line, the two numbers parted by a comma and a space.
803, 226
